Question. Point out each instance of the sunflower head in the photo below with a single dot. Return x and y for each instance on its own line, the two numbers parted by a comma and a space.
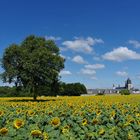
98, 112
1, 113
55, 121
18, 111
30, 112
84, 122
36, 133
3, 131
50, 113
65, 129
137, 114
95, 121
18, 123
130, 136
45, 136
101, 131
112, 114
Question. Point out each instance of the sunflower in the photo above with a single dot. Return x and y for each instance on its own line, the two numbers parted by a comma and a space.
84, 122
137, 114
3, 131
101, 131
36, 133
112, 114
55, 121
98, 112
95, 121
30, 112
18, 111
50, 113
1, 113
18, 123
65, 129
45, 136
130, 136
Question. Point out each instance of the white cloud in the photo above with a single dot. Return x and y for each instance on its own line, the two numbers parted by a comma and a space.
122, 73
121, 54
88, 71
53, 38
95, 66
65, 72
78, 59
135, 43
82, 44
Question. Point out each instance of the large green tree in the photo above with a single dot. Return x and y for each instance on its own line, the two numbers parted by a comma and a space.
33, 63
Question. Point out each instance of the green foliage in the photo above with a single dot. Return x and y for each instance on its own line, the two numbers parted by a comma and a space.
14, 92
70, 118
72, 89
100, 93
125, 92
33, 63
7, 91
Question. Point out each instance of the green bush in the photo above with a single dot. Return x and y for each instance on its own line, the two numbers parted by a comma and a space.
72, 89
100, 94
125, 92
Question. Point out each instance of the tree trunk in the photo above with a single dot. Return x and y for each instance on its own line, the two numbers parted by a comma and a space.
34, 93
35, 97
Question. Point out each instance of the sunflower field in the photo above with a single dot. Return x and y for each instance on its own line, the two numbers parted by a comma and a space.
113, 117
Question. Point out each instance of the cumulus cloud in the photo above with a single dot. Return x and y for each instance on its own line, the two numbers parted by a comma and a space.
122, 73
88, 71
82, 44
65, 72
135, 43
78, 59
53, 38
121, 54
95, 66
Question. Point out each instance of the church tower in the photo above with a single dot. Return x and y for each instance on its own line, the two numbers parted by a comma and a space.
128, 84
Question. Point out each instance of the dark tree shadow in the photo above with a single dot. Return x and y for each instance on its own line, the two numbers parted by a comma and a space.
32, 100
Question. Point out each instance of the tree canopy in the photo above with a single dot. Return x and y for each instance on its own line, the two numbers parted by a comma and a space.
33, 63
72, 89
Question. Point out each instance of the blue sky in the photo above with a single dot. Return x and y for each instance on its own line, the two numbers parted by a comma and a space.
99, 39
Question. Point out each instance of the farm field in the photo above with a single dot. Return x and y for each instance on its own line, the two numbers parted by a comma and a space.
70, 118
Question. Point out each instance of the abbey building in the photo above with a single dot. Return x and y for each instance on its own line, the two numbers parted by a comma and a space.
115, 89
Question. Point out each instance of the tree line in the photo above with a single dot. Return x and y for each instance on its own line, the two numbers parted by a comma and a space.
70, 89
34, 66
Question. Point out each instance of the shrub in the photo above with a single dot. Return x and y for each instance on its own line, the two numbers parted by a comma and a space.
100, 94
124, 92
73, 89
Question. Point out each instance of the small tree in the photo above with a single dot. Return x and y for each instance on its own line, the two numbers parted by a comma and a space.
33, 63
125, 92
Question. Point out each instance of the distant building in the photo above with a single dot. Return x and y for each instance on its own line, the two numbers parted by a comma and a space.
128, 85
114, 89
